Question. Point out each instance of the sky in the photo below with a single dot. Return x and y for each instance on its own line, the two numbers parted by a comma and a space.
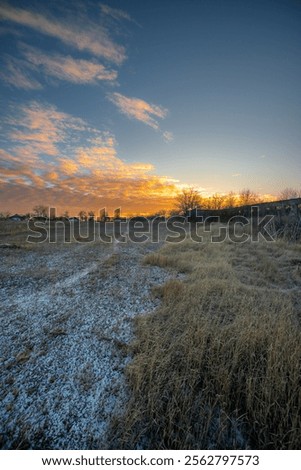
124, 103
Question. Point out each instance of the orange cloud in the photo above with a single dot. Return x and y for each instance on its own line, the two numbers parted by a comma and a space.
41, 128
130, 184
22, 198
136, 108
142, 167
66, 68
40, 167
51, 176
92, 37
68, 166
95, 157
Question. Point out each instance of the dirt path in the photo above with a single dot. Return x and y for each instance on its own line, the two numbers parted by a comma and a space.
65, 311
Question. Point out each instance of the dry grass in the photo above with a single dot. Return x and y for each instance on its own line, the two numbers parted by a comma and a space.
218, 364
287, 228
13, 234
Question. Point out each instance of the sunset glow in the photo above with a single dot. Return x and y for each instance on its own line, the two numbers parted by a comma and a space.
123, 104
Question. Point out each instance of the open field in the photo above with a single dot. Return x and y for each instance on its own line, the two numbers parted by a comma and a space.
218, 364
66, 316
175, 346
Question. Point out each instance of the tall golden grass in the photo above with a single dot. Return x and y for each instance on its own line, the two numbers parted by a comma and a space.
218, 365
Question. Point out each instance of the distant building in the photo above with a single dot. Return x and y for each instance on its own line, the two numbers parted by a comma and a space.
16, 218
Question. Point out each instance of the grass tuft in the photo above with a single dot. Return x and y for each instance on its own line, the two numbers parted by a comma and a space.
217, 366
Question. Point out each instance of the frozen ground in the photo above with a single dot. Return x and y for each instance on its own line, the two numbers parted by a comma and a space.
66, 312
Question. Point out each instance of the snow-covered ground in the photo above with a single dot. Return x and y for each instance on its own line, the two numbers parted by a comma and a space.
65, 313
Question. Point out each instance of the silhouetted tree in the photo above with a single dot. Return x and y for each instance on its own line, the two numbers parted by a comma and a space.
247, 197
230, 200
217, 201
187, 200
40, 211
289, 193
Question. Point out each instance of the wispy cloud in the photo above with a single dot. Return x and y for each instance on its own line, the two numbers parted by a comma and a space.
87, 35
138, 109
16, 73
39, 128
115, 13
236, 175
168, 136
67, 68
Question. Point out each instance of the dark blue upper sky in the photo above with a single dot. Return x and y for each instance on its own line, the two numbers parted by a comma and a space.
203, 92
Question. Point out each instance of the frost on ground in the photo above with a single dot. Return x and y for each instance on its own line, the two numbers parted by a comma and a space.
66, 311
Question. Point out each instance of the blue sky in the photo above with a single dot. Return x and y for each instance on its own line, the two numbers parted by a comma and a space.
122, 103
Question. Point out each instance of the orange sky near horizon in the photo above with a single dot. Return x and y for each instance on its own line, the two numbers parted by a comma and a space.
124, 106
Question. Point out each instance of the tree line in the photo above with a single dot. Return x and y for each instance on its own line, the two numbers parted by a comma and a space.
186, 200
190, 198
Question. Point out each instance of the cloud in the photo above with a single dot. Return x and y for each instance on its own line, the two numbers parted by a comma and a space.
67, 166
16, 74
236, 175
39, 128
62, 161
90, 180
168, 136
84, 35
66, 68
136, 108
140, 110
115, 13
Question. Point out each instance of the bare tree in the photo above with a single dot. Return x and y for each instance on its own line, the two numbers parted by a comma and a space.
187, 200
40, 211
216, 201
289, 193
206, 203
230, 200
247, 197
